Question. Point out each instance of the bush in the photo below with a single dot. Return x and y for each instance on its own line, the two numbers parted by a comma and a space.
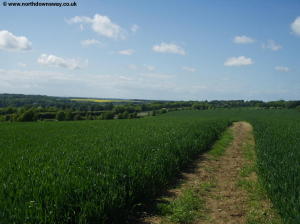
107, 115
28, 115
60, 116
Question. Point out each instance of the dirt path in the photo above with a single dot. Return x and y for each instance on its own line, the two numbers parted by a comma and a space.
225, 202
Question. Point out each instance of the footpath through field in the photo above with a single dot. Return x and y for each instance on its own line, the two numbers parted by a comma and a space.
213, 189
227, 202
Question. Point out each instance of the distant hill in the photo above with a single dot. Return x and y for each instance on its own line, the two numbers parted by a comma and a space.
19, 100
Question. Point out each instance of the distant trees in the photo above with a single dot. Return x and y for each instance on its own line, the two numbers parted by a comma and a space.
200, 106
68, 116
107, 116
77, 117
61, 116
29, 115
123, 115
133, 115
293, 104
17, 107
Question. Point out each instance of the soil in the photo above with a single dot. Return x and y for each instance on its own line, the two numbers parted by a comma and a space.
227, 201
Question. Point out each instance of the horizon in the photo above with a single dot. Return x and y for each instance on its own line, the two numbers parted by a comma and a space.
170, 50
142, 99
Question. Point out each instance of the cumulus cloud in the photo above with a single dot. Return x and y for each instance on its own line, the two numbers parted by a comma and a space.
134, 28
243, 40
189, 69
55, 61
238, 61
282, 69
10, 42
101, 25
126, 52
168, 48
272, 45
296, 26
90, 42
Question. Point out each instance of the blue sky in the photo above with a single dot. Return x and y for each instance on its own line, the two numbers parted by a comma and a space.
158, 49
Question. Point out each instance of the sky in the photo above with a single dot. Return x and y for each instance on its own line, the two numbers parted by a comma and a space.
158, 49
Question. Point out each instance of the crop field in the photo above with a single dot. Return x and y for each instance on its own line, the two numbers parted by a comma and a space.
277, 137
86, 172
104, 100
96, 171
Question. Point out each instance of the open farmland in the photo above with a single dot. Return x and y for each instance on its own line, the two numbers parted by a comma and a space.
96, 171
84, 172
150, 112
105, 100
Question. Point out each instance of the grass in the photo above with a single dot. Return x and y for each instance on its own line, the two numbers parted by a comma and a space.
189, 205
185, 208
219, 147
259, 207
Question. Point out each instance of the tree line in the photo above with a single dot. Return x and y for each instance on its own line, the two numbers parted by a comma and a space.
18, 107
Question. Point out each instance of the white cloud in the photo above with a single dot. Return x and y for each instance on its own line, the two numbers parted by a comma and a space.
150, 68
81, 27
126, 52
26, 80
189, 69
101, 85
10, 42
90, 42
143, 86
168, 48
296, 26
52, 60
243, 40
134, 28
101, 25
282, 69
238, 61
20, 64
272, 45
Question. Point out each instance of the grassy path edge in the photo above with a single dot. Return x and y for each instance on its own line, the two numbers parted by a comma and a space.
259, 207
188, 203
189, 206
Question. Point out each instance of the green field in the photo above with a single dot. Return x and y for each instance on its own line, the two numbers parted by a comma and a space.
96, 171
277, 137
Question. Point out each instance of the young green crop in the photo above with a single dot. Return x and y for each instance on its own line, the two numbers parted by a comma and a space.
277, 137
94, 171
